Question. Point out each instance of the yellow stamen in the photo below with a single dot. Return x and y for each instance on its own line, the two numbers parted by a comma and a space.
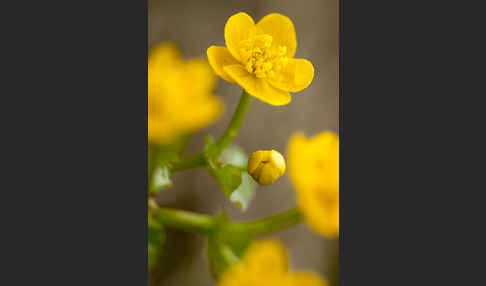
261, 58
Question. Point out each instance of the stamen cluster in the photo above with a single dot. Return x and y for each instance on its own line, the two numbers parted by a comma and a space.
261, 58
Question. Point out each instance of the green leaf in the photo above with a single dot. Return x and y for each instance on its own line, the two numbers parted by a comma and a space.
159, 158
160, 179
225, 247
228, 177
156, 238
237, 185
234, 155
245, 192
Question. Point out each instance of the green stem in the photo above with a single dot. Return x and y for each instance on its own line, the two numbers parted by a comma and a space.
233, 127
185, 220
198, 159
270, 224
205, 224
190, 162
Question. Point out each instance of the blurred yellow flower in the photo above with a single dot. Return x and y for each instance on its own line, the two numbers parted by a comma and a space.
180, 98
259, 57
314, 171
265, 263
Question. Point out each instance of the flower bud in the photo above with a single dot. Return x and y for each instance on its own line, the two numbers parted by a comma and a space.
266, 166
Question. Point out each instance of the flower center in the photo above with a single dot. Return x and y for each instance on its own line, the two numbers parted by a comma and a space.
261, 58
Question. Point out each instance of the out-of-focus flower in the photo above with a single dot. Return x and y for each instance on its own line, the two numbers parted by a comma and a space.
314, 171
266, 263
180, 98
259, 57
266, 166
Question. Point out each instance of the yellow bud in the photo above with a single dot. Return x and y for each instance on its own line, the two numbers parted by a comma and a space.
266, 166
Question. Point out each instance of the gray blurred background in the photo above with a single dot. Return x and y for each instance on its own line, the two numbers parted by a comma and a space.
195, 25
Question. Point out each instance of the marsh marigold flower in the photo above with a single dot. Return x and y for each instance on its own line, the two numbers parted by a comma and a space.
266, 263
266, 166
314, 171
180, 98
259, 57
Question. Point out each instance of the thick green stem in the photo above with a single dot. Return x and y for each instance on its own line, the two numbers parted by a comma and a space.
269, 224
233, 127
185, 220
205, 224
190, 162
198, 159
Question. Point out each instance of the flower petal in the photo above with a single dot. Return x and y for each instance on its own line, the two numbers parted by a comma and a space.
282, 30
296, 76
160, 132
266, 256
218, 58
256, 87
314, 171
239, 27
320, 211
208, 111
297, 158
203, 80
164, 54
306, 278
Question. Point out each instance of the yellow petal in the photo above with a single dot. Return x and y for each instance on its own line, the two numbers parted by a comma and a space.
326, 155
239, 27
207, 111
320, 210
314, 170
305, 278
202, 78
282, 30
297, 160
266, 255
296, 76
218, 58
256, 87
164, 54
159, 132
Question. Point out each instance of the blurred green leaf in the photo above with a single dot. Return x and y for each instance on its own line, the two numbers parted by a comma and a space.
160, 179
245, 192
234, 155
159, 158
156, 238
225, 247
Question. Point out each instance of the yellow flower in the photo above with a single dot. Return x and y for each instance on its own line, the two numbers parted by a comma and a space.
314, 170
180, 98
259, 57
266, 166
266, 263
